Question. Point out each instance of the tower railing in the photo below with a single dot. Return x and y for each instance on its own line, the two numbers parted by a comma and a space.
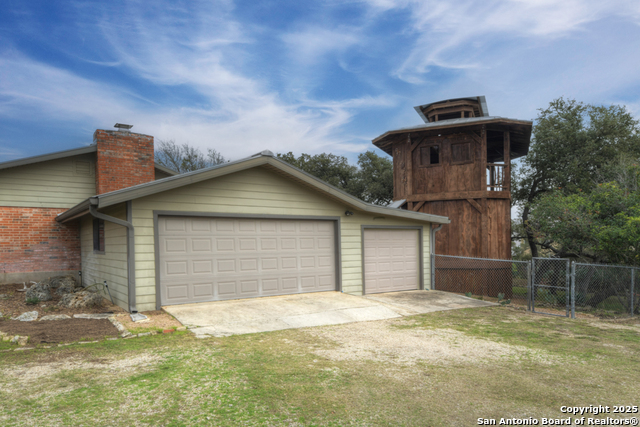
495, 177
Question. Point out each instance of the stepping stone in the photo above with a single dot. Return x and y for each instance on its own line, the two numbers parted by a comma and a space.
55, 317
93, 316
29, 316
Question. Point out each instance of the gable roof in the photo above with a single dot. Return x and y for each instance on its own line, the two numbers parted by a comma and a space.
263, 159
67, 153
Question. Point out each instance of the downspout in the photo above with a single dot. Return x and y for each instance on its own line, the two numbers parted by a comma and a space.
432, 246
131, 260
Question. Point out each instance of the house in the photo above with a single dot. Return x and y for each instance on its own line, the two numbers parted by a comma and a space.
249, 228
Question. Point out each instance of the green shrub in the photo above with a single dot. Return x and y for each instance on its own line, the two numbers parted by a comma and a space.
32, 301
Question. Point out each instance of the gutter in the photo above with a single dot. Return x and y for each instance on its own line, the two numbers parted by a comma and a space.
131, 260
432, 246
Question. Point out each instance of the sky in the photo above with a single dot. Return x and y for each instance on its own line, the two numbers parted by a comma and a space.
301, 76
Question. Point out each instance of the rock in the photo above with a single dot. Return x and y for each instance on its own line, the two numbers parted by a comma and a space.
93, 316
6, 338
64, 284
40, 291
27, 317
81, 299
55, 317
23, 340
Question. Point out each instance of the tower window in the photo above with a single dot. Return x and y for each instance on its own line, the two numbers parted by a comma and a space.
430, 155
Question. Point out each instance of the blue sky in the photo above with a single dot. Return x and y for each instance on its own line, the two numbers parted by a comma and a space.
316, 76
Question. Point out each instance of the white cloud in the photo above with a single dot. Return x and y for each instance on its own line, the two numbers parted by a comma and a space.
197, 49
457, 34
310, 45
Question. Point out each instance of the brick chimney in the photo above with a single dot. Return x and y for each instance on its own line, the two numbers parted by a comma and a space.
123, 159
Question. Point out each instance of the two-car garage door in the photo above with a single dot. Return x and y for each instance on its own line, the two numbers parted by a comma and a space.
210, 259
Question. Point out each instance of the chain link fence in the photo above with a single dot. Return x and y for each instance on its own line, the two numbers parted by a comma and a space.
498, 279
551, 286
545, 285
606, 288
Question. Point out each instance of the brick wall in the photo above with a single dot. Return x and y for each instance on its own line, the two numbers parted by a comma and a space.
123, 159
32, 241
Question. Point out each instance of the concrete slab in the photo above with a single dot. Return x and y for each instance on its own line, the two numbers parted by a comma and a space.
224, 318
419, 302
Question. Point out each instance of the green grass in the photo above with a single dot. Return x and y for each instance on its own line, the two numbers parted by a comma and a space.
279, 378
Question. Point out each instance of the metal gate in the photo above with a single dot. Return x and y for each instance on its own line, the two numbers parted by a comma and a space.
550, 286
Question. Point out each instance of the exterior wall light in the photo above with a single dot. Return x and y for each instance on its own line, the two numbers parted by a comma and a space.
348, 213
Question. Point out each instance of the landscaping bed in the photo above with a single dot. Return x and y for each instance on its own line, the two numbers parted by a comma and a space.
60, 331
13, 303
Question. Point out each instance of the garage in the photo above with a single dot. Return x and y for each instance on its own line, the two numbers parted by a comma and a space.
392, 259
217, 258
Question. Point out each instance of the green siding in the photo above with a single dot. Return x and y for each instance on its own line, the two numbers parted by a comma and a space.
112, 264
61, 183
261, 192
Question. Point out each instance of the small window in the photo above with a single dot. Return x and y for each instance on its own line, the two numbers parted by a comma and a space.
461, 153
434, 155
98, 235
430, 155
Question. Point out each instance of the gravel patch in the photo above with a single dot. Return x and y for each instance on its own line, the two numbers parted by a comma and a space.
381, 341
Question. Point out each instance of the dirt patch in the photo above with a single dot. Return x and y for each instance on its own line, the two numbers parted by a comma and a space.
381, 341
37, 371
13, 304
158, 320
58, 331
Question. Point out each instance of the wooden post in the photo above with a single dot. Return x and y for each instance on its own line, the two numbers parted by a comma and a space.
507, 161
484, 231
409, 165
483, 159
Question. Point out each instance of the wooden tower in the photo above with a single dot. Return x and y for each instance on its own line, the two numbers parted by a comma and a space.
458, 164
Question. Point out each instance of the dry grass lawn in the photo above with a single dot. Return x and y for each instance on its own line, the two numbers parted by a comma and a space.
439, 369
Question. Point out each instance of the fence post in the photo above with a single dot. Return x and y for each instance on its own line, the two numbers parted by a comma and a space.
567, 292
633, 296
433, 272
533, 285
573, 290
529, 286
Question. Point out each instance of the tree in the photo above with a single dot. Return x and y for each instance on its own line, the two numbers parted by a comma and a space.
572, 149
371, 181
376, 178
184, 158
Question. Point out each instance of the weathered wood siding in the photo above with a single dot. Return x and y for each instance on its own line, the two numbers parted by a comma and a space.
456, 187
110, 265
60, 183
257, 191
463, 236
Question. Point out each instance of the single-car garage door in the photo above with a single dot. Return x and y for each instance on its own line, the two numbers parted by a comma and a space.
210, 259
391, 260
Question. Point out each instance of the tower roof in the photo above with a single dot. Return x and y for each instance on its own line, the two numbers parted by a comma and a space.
456, 108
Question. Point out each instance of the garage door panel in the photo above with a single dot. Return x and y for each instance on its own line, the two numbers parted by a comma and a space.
201, 290
391, 260
202, 267
220, 258
200, 245
225, 245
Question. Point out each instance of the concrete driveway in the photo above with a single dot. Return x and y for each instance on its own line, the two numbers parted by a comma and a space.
224, 318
